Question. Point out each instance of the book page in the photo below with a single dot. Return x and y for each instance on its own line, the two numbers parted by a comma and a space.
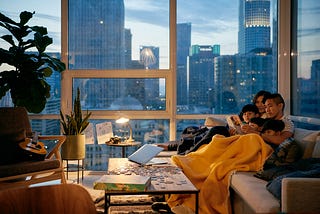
89, 134
104, 132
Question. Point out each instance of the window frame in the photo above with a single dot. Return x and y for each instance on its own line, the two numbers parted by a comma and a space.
284, 65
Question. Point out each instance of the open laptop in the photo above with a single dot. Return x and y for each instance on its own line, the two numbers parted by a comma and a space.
145, 155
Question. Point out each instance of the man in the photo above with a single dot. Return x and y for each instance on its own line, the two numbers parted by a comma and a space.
275, 105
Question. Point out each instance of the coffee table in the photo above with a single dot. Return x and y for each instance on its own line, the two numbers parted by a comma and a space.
165, 179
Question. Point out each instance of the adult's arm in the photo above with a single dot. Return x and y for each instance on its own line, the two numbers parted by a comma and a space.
277, 139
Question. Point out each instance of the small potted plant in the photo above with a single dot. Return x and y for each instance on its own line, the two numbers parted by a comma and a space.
73, 126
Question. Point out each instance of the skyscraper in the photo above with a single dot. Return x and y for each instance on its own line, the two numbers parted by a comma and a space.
96, 37
254, 25
201, 75
183, 45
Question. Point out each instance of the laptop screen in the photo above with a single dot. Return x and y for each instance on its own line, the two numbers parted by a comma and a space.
145, 153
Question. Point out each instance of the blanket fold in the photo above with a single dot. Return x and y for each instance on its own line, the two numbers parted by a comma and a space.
210, 167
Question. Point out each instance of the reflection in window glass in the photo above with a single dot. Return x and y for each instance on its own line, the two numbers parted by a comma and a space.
121, 94
118, 34
306, 65
225, 54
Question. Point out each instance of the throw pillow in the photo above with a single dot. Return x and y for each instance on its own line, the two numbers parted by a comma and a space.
316, 149
287, 152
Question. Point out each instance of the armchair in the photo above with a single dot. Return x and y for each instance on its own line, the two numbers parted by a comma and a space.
13, 174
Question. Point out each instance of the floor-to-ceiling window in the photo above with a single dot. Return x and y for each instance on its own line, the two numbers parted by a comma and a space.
167, 64
305, 54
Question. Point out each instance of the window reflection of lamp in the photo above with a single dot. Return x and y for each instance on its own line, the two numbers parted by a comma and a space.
147, 57
124, 120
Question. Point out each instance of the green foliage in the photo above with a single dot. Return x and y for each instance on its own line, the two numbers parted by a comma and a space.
74, 124
27, 81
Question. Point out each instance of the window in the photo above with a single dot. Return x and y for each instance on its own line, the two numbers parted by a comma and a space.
225, 52
306, 59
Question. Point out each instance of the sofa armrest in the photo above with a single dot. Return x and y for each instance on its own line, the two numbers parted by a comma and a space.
300, 195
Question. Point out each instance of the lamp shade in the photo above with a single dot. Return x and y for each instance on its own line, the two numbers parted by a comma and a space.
123, 120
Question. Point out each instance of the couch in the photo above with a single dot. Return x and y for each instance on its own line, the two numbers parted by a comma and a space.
248, 194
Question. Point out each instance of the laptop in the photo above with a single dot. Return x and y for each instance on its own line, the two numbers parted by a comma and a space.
145, 155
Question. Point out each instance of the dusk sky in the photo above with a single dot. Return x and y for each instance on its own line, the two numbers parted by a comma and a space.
213, 22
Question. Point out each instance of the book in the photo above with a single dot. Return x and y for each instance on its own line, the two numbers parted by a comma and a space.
122, 183
234, 122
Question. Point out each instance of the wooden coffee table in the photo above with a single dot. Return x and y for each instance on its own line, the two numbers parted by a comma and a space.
165, 179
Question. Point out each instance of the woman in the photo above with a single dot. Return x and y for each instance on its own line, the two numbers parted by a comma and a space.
258, 101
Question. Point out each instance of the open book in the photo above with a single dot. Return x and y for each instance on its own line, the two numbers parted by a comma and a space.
234, 122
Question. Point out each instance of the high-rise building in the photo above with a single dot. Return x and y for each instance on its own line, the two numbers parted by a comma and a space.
239, 77
183, 46
201, 75
96, 38
254, 25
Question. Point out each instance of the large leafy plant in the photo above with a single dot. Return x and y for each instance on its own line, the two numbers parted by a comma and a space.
26, 81
74, 123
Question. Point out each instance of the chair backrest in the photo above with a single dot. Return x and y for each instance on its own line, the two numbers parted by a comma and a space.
52, 199
14, 119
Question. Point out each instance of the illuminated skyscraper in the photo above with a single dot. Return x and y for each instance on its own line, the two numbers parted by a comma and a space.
254, 25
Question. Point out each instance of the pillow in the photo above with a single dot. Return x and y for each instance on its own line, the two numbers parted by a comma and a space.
10, 150
212, 121
316, 149
287, 152
306, 139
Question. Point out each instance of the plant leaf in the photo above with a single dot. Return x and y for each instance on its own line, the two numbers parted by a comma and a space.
25, 16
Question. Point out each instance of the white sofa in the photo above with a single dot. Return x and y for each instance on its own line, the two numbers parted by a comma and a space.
249, 194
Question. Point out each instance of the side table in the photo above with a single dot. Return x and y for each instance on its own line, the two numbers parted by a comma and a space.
79, 167
123, 145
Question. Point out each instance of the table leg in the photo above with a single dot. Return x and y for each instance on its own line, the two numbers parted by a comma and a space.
67, 170
106, 203
123, 152
78, 171
197, 203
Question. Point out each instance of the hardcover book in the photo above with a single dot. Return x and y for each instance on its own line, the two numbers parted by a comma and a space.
122, 183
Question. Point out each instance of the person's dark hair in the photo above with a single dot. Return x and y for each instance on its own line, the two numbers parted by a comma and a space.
277, 98
250, 107
259, 94
258, 120
275, 125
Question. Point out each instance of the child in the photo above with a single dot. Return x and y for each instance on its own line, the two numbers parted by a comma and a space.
235, 122
256, 123
287, 152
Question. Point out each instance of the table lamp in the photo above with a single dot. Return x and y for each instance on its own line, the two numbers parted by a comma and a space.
123, 120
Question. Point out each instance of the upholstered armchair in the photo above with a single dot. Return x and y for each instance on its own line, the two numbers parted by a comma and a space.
14, 127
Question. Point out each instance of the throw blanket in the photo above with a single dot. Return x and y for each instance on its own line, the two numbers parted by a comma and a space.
210, 167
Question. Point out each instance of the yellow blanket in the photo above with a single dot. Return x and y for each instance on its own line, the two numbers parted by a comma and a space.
210, 168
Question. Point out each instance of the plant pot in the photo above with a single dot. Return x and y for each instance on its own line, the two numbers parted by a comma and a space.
74, 148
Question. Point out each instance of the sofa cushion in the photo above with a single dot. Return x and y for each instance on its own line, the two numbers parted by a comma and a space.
254, 193
306, 139
316, 149
28, 167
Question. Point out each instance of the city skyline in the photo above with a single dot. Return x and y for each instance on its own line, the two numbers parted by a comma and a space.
211, 23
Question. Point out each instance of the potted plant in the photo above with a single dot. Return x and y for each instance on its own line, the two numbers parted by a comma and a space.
26, 79
73, 126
